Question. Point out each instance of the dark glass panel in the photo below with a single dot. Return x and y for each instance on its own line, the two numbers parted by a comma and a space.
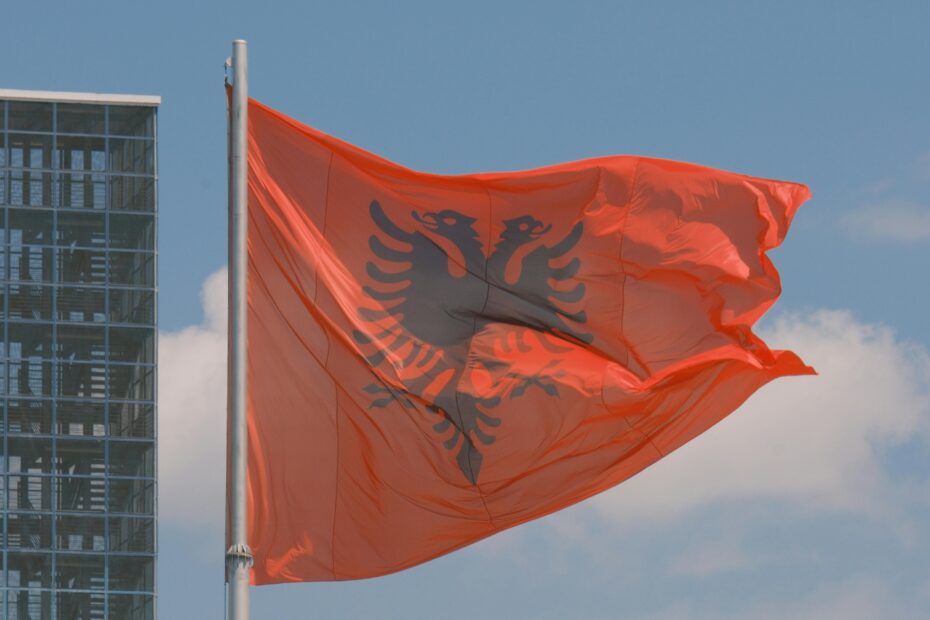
83, 191
29, 604
32, 570
132, 606
30, 151
81, 266
82, 605
30, 377
80, 533
81, 457
29, 416
81, 571
80, 118
81, 153
81, 494
30, 188
132, 344
29, 455
133, 156
132, 306
81, 305
132, 382
132, 534
132, 420
132, 269
136, 121
29, 263
31, 302
30, 227
80, 418
30, 116
29, 493
81, 379
135, 496
29, 340
82, 343
85, 229
132, 458
132, 232
132, 193
132, 573
29, 531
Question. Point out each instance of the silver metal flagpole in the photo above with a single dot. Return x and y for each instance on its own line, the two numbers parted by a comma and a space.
238, 556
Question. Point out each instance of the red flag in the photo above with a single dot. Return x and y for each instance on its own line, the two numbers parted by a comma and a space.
433, 359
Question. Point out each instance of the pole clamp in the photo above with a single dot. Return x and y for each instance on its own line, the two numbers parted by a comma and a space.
238, 556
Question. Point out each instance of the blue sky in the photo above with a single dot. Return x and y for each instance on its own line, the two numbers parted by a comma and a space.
821, 512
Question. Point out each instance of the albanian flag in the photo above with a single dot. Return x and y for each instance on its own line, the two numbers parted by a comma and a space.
433, 359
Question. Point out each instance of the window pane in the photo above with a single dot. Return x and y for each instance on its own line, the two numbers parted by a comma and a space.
132, 121
30, 302
31, 264
81, 305
81, 605
29, 340
132, 269
132, 193
80, 118
83, 191
30, 151
80, 418
132, 306
132, 344
132, 382
84, 533
81, 379
29, 493
29, 416
132, 606
85, 229
82, 343
79, 266
30, 455
136, 458
135, 496
30, 227
132, 573
29, 531
134, 534
29, 605
81, 154
132, 420
81, 571
132, 232
30, 116
81, 494
31, 570
84, 457
135, 156
31, 377
31, 188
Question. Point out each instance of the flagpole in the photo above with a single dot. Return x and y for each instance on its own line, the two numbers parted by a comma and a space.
238, 556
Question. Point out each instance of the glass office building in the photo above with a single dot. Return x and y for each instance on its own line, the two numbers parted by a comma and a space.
77, 359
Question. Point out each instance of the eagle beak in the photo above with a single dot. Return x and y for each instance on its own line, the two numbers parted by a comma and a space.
545, 229
429, 223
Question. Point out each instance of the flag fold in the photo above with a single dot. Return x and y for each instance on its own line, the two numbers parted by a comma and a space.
433, 359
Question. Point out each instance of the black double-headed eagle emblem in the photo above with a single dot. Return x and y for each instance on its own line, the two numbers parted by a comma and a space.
425, 311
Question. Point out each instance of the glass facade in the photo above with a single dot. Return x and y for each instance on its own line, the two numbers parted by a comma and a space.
77, 359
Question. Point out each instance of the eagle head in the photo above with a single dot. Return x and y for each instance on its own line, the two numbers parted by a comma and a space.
448, 223
523, 229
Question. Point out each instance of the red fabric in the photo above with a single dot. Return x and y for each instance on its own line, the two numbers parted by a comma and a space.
433, 359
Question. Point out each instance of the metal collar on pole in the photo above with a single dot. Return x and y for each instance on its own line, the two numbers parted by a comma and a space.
238, 556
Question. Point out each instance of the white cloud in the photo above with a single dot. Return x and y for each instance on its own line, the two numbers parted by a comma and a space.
857, 599
902, 222
814, 442
192, 416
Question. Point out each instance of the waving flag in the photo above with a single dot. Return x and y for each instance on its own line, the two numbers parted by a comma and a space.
433, 359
